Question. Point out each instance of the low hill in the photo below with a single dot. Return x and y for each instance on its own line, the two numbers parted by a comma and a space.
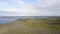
32, 26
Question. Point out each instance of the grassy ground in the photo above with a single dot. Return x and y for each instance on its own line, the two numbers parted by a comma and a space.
32, 26
50, 23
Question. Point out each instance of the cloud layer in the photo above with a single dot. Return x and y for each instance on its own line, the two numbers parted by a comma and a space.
32, 7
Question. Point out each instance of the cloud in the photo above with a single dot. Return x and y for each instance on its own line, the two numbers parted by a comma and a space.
48, 7
10, 9
37, 8
8, 6
3, 3
26, 9
22, 8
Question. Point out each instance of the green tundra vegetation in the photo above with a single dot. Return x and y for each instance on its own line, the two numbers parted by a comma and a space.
32, 26
46, 23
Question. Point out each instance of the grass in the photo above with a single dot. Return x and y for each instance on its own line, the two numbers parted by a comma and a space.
44, 26
49, 23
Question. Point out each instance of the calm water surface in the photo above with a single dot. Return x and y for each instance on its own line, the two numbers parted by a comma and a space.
7, 20
4, 20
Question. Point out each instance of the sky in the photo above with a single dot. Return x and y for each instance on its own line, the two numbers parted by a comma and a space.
29, 7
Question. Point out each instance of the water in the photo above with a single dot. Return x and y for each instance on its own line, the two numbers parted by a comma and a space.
6, 19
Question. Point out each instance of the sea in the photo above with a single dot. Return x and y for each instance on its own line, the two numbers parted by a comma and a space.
8, 19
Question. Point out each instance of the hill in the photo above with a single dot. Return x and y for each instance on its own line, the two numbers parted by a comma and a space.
32, 26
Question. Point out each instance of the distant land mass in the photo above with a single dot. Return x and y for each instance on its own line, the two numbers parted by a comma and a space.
22, 17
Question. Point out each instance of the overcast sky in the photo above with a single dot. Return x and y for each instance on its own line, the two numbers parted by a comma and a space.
29, 7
